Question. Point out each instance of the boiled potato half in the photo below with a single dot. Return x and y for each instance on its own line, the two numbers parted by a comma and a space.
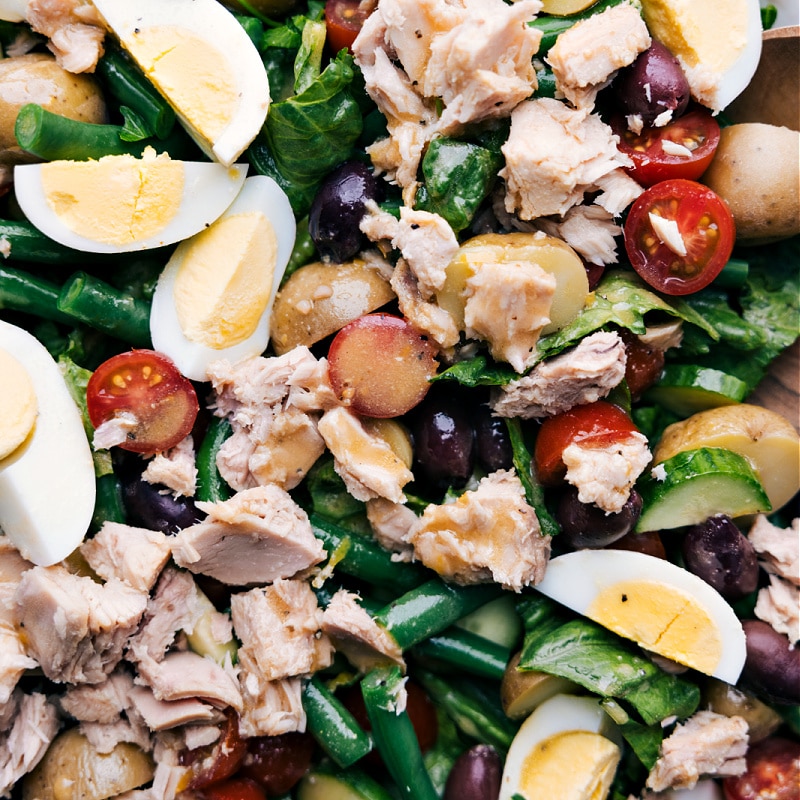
756, 170
37, 78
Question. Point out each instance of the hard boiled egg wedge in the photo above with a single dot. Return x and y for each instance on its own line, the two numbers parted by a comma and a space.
568, 748
717, 42
47, 482
121, 203
658, 605
214, 297
201, 60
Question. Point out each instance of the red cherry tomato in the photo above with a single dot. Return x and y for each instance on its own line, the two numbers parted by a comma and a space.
149, 386
343, 19
643, 363
704, 225
234, 789
773, 772
596, 424
278, 762
697, 132
219, 761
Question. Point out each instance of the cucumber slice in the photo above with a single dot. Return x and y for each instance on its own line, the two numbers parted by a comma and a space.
686, 389
497, 621
343, 785
697, 484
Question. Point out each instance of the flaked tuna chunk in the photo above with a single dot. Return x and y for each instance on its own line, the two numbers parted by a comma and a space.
777, 548
554, 156
74, 29
133, 555
101, 702
75, 628
12, 562
160, 715
35, 724
584, 374
365, 462
706, 744
271, 707
105, 736
183, 674
255, 537
589, 230
587, 55
279, 630
174, 468
487, 534
390, 523
356, 634
779, 605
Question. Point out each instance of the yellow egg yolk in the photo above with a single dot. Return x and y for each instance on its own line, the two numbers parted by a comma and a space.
204, 91
662, 619
117, 199
712, 33
224, 281
575, 765
18, 404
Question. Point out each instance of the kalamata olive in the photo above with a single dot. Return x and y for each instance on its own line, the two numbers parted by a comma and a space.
444, 442
337, 209
652, 84
587, 525
772, 667
718, 552
643, 363
475, 775
492, 444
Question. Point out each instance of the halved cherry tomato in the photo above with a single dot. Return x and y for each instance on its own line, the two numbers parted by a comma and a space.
773, 772
219, 761
691, 259
148, 386
278, 762
682, 149
234, 789
596, 424
343, 19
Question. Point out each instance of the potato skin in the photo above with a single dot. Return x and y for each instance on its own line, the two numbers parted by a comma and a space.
37, 78
756, 170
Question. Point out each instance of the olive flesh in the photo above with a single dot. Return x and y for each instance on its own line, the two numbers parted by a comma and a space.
772, 666
475, 775
585, 525
493, 445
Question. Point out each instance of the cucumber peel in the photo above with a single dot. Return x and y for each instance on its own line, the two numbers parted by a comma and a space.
697, 484
686, 389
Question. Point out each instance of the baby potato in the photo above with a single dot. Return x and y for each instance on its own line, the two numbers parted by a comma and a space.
756, 170
320, 298
72, 767
37, 78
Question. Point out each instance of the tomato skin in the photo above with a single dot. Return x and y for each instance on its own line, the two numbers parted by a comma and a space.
277, 763
706, 227
148, 385
596, 424
343, 19
219, 761
696, 130
643, 363
773, 772
234, 789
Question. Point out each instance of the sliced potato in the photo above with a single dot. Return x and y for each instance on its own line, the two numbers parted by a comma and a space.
319, 299
552, 255
72, 767
756, 170
521, 691
764, 438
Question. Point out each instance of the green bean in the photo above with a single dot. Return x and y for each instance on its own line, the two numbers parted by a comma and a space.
27, 243
366, 559
394, 734
430, 608
108, 502
104, 308
466, 651
303, 251
211, 486
734, 274
473, 710
333, 726
21, 291
130, 87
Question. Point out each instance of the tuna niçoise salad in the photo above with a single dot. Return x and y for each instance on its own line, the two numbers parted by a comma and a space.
377, 414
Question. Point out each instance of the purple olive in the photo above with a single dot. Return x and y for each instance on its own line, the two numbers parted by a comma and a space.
491, 440
719, 553
476, 775
337, 209
652, 84
585, 525
772, 667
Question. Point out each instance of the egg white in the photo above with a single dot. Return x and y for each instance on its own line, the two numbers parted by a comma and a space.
259, 193
559, 714
575, 580
212, 22
208, 190
47, 485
